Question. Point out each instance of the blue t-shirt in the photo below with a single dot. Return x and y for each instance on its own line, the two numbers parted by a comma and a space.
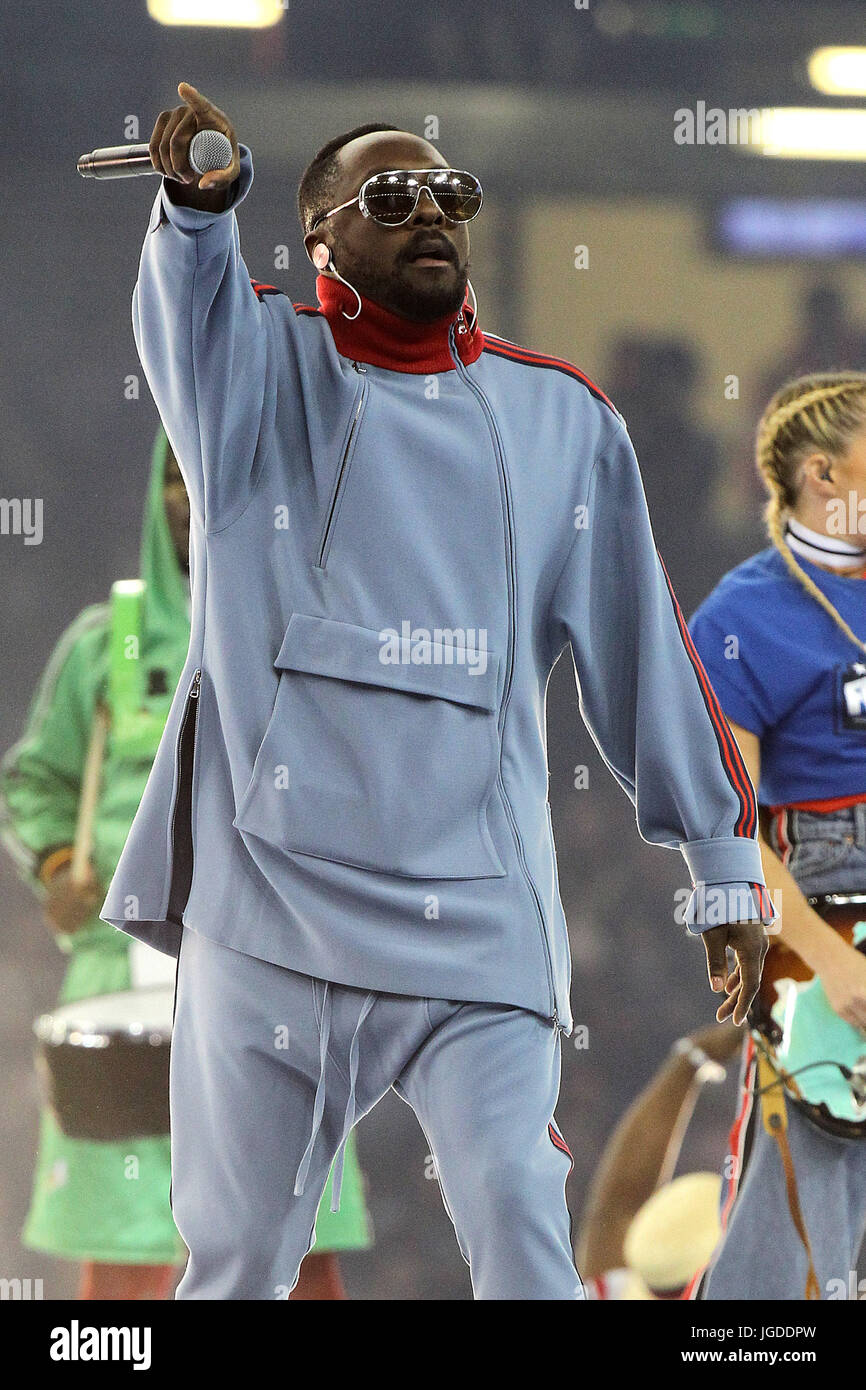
783, 669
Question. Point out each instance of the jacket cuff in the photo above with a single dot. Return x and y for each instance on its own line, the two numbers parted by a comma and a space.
197, 219
728, 879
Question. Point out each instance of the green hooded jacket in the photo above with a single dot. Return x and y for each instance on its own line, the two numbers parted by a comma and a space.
41, 775
95, 1213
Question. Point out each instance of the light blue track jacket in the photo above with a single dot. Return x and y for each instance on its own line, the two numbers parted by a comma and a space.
396, 530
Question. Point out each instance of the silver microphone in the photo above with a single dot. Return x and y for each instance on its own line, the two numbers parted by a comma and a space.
210, 149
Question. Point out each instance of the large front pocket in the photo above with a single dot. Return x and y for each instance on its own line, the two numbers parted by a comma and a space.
385, 766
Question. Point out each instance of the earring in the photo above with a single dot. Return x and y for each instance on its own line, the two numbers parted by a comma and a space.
471, 290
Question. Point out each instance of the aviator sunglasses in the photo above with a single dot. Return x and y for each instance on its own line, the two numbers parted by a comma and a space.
390, 198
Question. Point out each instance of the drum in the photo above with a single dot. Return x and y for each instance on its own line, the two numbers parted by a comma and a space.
103, 1064
821, 1058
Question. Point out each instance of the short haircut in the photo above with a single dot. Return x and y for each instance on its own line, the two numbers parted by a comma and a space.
320, 176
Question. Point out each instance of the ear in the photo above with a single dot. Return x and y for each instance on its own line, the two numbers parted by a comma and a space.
814, 467
313, 244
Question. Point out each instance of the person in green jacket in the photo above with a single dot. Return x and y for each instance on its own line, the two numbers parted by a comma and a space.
84, 1205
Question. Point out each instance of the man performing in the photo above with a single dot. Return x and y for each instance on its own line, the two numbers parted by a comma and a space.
398, 524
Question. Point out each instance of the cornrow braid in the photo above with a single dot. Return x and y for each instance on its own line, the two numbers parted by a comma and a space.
817, 412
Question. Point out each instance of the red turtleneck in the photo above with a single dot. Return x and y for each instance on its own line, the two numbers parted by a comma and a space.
383, 339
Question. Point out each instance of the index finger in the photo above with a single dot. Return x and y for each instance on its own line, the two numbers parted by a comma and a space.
193, 98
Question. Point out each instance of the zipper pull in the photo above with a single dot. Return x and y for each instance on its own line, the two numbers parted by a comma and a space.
359, 367
194, 688
461, 323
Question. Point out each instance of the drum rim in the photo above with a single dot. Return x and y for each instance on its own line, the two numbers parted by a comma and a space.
52, 1031
835, 899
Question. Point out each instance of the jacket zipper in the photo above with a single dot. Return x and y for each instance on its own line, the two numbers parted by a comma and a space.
189, 715
509, 673
343, 468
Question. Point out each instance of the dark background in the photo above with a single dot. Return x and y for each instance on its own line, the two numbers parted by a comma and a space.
546, 103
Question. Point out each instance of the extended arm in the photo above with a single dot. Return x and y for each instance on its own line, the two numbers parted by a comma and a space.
205, 341
649, 705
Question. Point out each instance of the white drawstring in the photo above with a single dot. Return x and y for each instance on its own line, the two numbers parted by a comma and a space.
319, 1101
349, 1116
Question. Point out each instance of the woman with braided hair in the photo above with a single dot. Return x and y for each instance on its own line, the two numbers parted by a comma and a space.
783, 638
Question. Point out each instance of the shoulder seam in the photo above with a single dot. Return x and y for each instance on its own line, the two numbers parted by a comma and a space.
260, 288
499, 347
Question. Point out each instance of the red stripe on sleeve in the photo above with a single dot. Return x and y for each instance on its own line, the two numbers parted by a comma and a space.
731, 755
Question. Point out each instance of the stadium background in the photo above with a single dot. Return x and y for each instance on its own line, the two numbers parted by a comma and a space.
567, 114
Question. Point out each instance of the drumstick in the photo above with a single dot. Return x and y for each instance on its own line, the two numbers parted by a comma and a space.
678, 1133
90, 784
706, 1071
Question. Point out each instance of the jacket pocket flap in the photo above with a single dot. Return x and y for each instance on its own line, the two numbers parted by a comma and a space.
324, 647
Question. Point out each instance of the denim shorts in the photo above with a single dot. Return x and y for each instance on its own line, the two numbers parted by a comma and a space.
828, 849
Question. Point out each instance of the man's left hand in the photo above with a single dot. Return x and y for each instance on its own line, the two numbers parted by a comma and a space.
748, 941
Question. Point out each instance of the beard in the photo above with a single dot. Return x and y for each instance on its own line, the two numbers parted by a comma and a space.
394, 290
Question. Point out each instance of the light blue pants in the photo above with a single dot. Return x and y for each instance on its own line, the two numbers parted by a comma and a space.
762, 1255
270, 1068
